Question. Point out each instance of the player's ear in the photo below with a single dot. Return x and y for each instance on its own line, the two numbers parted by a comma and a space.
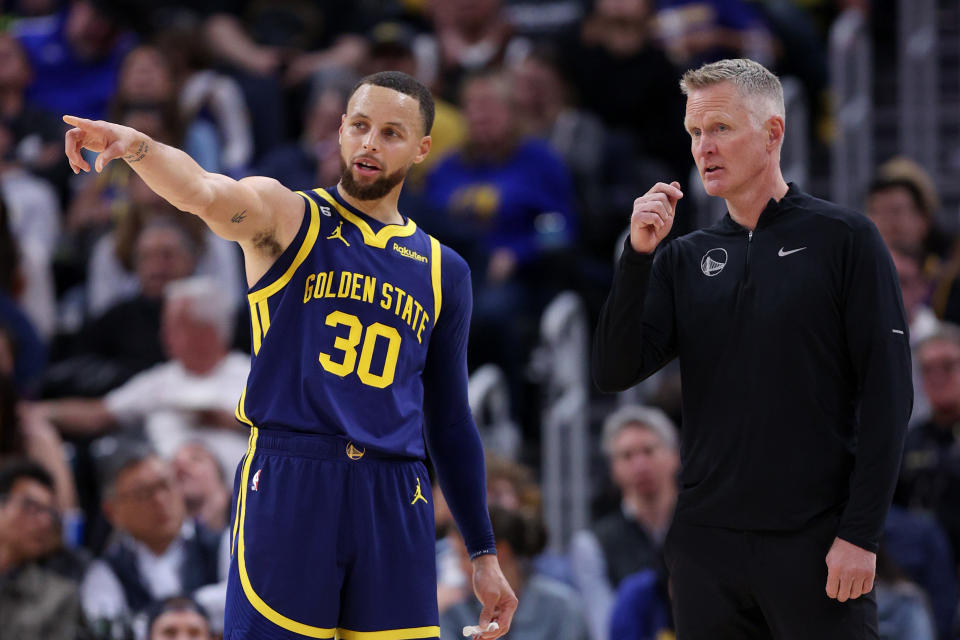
423, 149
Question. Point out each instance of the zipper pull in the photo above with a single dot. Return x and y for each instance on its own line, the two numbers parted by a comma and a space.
749, 236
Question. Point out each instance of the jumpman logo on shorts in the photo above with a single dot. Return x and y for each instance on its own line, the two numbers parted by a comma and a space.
338, 234
419, 494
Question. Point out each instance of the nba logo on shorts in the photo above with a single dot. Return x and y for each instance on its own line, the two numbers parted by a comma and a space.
256, 480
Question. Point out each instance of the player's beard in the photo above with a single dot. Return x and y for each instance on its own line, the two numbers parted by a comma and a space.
373, 191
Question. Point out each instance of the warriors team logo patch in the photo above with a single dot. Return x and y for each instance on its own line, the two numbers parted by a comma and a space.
255, 483
713, 262
353, 452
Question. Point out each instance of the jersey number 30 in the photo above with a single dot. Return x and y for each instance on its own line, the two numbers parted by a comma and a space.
348, 345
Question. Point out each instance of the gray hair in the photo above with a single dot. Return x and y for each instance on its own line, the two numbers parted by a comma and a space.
633, 415
208, 302
751, 79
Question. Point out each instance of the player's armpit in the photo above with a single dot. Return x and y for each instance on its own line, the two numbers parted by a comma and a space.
258, 212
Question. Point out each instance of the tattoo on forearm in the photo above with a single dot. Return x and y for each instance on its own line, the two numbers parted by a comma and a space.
238, 217
139, 154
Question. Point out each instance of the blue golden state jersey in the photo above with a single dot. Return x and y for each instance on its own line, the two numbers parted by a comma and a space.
341, 325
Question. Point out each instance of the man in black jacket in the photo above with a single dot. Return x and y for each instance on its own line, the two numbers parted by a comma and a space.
787, 320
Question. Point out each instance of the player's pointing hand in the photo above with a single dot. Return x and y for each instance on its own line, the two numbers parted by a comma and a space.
106, 138
496, 596
652, 216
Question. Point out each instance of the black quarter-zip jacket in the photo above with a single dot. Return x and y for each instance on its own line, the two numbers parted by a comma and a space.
795, 360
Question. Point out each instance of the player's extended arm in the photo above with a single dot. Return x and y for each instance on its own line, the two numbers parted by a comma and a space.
259, 213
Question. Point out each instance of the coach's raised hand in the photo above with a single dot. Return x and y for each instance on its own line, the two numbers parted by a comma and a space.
652, 216
105, 138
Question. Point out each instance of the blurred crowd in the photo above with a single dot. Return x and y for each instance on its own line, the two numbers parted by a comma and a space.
124, 330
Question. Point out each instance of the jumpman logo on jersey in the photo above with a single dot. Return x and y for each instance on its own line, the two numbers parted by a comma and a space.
338, 234
419, 494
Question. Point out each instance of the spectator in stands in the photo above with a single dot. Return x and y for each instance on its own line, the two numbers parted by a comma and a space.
106, 197
208, 95
616, 66
603, 164
641, 447
918, 546
25, 433
19, 339
902, 202
915, 289
204, 485
313, 160
696, 32
146, 80
506, 204
112, 274
902, 609
270, 46
155, 551
178, 618
548, 610
126, 338
930, 472
35, 601
392, 48
191, 397
32, 212
641, 609
469, 36
75, 58
36, 134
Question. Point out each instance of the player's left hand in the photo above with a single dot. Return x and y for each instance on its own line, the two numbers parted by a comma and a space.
494, 593
850, 570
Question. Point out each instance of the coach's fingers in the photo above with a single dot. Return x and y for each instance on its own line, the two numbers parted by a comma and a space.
663, 200
115, 150
868, 584
856, 587
843, 591
833, 582
672, 189
649, 219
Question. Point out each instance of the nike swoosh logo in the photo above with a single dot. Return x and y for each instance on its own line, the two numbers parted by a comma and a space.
782, 253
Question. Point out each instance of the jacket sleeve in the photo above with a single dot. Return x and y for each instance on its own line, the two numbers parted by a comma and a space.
879, 344
636, 333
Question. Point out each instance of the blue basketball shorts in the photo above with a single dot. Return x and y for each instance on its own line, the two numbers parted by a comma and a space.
330, 541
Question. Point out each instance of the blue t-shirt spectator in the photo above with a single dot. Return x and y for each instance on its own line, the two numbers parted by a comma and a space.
75, 56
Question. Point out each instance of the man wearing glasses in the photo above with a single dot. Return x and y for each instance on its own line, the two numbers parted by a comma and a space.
35, 602
155, 551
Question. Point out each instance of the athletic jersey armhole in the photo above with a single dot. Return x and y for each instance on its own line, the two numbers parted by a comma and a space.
435, 273
279, 274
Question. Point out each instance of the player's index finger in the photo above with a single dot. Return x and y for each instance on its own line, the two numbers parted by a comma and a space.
75, 121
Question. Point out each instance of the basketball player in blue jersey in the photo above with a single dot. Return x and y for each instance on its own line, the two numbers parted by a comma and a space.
360, 324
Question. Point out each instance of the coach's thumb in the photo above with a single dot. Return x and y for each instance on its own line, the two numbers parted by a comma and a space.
115, 150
